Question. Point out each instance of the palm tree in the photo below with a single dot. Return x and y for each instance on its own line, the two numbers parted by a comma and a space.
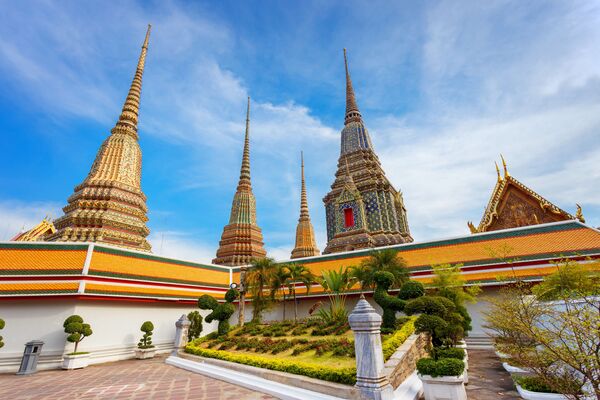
279, 282
299, 273
258, 278
336, 284
387, 260
363, 275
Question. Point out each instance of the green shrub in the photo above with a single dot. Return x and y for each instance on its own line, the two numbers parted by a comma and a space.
433, 325
411, 290
449, 352
431, 305
195, 328
76, 329
339, 375
534, 384
441, 367
399, 337
220, 312
146, 340
389, 304
2, 325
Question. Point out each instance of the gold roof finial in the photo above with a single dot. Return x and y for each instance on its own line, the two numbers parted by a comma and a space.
498, 172
472, 227
303, 197
506, 174
579, 214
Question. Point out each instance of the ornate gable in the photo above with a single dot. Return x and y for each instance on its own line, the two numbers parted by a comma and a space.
513, 205
36, 234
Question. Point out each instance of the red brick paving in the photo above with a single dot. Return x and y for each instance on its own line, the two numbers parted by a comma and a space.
131, 380
487, 379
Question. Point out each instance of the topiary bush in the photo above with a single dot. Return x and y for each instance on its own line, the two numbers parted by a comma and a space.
433, 325
448, 325
441, 367
431, 305
389, 304
76, 329
411, 290
195, 328
2, 325
146, 340
448, 352
220, 311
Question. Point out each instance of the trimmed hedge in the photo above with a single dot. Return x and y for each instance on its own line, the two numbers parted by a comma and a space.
534, 384
339, 375
441, 367
399, 337
449, 352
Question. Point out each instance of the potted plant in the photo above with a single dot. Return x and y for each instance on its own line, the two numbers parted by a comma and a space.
442, 379
77, 331
457, 353
145, 347
534, 388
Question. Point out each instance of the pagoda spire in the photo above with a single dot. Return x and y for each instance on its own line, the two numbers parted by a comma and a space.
352, 112
245, 169
242, 240
306, 244
109, 205
128, 120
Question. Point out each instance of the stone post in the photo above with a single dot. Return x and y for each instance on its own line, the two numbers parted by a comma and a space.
181, 333
370, 379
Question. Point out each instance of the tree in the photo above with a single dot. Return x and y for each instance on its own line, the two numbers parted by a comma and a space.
195, 328
571, 279
389, 304
558, 341
280, 280
363, 274
258, 277
439, 317
76, 329
2, 324
146, 340
220, 311
386, 260
336, 284
411, 290
299, 273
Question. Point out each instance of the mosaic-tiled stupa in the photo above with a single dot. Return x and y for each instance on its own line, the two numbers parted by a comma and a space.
109, 205
242, 240
363, 209
306, 245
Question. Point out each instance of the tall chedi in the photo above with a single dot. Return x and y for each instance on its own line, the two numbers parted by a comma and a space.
306, 244
363, 209
109, 205
242, 240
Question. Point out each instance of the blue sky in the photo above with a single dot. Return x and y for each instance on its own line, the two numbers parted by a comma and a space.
444, 87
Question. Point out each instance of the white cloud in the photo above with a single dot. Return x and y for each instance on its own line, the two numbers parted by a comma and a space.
180, 245
17, 215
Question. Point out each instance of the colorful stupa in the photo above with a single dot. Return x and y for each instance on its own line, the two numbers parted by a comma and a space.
513, 205
363, 209
109, 205
242, 240
306, 245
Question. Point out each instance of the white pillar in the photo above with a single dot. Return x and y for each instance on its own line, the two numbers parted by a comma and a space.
366, 326
181, 333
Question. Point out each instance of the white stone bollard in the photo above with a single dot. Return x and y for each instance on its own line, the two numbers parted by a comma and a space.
181, 333
366, 326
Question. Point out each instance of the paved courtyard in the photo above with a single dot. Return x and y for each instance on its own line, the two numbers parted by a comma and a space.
487, 379
131, 379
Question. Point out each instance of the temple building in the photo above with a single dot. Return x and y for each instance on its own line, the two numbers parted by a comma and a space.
109, 205
242, 239
363, 209
36, 234
306, 245
513, 205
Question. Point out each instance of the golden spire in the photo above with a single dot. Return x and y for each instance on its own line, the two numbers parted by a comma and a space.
352, 112
306, 244
128, 120
245, 170
506, 174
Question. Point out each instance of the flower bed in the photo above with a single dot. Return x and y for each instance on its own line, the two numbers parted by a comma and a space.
322, 352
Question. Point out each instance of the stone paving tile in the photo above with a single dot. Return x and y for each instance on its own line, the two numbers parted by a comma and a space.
487, 379
123, 380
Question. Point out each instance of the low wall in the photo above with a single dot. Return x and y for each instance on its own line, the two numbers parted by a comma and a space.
404, 361
116, 327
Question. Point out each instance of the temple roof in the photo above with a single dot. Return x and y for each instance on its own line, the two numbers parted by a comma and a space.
37, 233
513, 204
